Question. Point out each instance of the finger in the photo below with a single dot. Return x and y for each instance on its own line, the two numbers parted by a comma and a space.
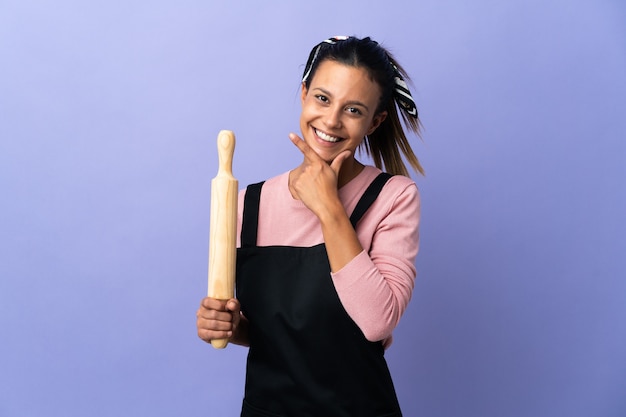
212, 329
213, 304
213, 325
216, 315
233, 306
209, 329
208, 335
338, 161
306, 150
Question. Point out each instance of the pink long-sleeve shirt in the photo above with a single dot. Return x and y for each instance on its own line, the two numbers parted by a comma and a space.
376, 286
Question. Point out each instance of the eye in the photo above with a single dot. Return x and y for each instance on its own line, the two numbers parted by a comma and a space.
322, 98
354, 110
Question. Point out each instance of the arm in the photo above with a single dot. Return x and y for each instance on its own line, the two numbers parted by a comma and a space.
315, 184
375, 288
374, 285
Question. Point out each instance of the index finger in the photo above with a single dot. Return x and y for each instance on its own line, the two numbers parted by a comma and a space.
306, 150
214, 304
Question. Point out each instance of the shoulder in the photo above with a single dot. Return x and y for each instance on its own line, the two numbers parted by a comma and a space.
395, 186
399, 184
399, 199
272, 191
402, 195
370, 172
270, 185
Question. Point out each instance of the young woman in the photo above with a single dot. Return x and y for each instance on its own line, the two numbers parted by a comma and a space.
326, 251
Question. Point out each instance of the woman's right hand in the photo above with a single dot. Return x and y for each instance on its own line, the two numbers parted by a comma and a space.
221, 319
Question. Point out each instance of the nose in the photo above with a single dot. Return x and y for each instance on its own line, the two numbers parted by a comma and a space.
333, 117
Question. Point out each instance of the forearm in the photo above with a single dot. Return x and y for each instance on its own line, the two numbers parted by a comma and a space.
374, 295
376, 286
342, 243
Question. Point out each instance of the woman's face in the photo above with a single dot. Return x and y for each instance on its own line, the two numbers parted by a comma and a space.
339, 109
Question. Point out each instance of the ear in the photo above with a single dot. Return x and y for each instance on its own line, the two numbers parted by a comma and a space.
303, 93
378, 119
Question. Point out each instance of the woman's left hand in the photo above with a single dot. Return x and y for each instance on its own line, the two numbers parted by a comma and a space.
315, 181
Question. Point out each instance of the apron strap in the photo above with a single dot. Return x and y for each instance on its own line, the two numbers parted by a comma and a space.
250, 220
368, 197
249, 224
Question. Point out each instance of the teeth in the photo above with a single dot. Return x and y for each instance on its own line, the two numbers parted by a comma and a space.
326, 137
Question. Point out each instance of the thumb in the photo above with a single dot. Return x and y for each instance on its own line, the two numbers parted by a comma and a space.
338, 161
235, 308
233, 305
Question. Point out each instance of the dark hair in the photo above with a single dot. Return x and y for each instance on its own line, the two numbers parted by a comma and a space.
388, 142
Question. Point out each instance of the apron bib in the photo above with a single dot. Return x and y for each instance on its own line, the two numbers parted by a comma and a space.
307, 357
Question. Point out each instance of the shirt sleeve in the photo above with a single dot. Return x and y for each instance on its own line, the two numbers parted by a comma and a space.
376, 286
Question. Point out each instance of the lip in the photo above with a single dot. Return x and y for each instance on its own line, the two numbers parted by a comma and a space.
325, 142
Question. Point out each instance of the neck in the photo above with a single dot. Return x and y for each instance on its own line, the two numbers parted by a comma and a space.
349, 170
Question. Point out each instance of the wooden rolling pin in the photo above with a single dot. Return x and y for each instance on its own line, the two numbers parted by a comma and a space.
223, 227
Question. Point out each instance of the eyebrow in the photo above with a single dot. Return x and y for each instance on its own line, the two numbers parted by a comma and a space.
352, 102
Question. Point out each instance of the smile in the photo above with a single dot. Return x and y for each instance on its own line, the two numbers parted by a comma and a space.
326, 137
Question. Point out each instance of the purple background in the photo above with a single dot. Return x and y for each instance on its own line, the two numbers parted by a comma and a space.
109, 112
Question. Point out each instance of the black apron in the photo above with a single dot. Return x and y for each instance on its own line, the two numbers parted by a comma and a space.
307, 357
